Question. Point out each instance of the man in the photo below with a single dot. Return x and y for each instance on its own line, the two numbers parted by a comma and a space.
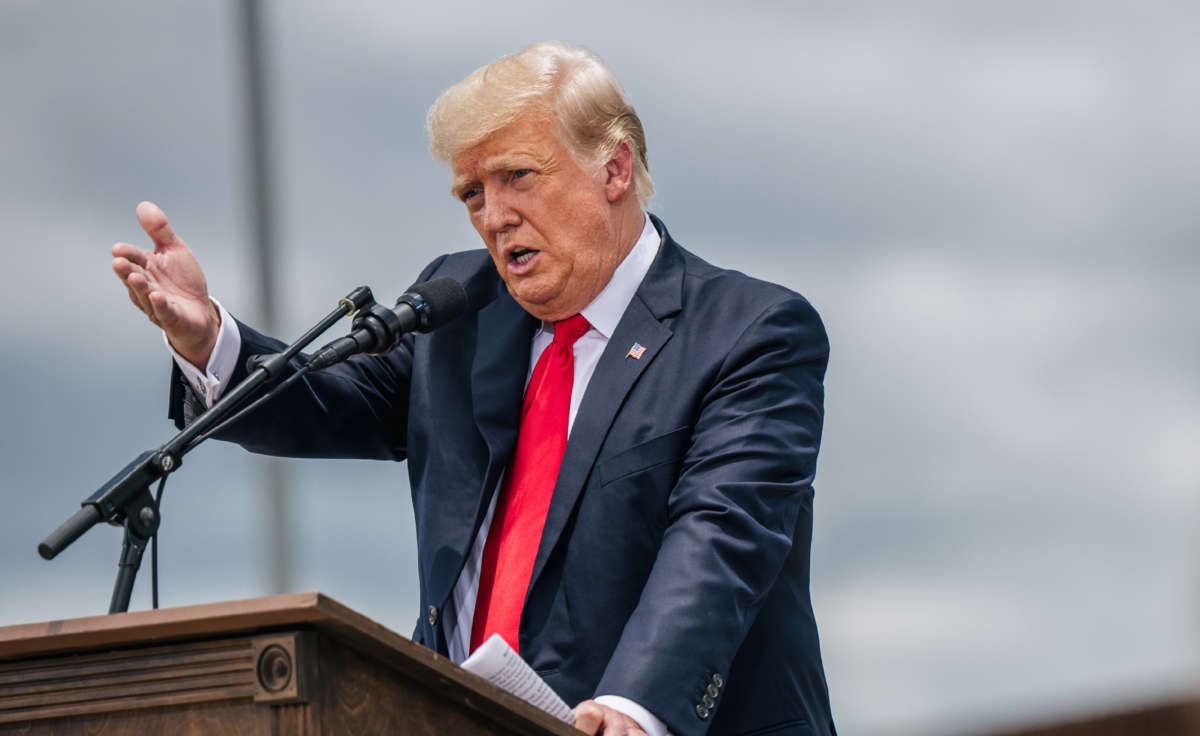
636, 520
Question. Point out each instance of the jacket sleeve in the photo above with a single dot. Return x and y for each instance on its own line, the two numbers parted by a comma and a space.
355, 409
744, 483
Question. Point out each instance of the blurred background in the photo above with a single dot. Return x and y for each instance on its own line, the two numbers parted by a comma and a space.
993, 206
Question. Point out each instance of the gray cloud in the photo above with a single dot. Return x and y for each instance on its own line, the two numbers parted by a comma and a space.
991, 205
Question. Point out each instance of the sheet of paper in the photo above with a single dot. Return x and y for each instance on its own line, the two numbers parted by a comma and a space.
496, 662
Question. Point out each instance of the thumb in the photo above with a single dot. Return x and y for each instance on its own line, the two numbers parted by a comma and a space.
154, 222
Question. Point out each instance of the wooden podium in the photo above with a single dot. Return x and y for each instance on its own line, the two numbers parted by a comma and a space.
287, 664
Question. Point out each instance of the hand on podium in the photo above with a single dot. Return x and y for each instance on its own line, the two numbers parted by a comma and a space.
593, 718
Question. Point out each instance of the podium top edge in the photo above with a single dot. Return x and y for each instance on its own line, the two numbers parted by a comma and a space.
252, 616
205, 620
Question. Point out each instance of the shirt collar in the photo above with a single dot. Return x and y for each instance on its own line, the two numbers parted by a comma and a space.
604, 312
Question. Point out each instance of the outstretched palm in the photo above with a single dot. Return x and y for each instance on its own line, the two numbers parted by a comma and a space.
168, 285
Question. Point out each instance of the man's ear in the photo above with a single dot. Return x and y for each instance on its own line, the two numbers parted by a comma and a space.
618, 172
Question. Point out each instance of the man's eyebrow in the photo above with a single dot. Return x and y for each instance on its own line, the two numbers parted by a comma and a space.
503, 161
498, 162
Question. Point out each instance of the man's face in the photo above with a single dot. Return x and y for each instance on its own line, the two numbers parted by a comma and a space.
546, 222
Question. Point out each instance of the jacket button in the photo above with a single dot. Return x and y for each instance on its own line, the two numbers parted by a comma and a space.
718, 680
713, 691
701, 711
433, 615
708, 702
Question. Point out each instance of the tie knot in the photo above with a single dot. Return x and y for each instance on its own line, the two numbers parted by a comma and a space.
567, 331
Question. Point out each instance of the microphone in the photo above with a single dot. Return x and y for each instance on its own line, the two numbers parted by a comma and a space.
377, 329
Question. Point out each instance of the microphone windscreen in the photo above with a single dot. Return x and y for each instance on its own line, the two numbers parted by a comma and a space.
444, 297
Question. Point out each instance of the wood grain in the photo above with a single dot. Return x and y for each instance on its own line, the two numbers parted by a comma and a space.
180, 660
225, 718
54, 687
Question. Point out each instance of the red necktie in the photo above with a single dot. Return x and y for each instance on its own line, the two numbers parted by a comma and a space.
516, 530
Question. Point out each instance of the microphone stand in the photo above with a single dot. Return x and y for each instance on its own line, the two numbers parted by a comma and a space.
125, 499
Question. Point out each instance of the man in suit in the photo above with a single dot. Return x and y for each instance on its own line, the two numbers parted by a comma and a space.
611, 453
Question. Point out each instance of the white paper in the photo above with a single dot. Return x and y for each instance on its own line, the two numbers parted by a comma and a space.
496, 662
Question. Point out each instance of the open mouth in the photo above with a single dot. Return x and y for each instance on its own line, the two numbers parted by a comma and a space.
521, 256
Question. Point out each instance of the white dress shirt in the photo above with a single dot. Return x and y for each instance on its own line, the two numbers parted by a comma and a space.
603, 314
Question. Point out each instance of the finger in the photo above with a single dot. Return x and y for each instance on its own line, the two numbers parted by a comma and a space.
154, 222
163, 309
142, 305
589, 716
131, 253
619, 724
138, 281
139, 290
133, 297
135, 277
124, 268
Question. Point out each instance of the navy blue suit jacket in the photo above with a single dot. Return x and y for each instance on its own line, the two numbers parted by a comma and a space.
674, 565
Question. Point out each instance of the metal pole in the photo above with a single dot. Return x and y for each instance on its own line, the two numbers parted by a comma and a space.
259, 172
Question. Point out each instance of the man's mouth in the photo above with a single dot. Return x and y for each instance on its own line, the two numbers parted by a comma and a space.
521, 256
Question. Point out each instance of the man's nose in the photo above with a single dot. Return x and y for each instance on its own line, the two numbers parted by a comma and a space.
498, 210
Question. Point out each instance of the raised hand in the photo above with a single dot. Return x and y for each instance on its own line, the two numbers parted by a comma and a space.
168, 285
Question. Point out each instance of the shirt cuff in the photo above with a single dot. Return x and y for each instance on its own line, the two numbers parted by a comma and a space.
221, 362
649, 723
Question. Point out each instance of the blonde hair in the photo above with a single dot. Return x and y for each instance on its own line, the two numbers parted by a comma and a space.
591, 114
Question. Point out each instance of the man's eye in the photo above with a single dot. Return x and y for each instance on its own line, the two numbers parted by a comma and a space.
521, 173
470, 194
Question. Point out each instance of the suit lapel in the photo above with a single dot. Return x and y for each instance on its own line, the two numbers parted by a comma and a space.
501, 360
498, 378
615, 375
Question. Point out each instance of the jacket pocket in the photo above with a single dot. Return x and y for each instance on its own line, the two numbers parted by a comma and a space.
665, 448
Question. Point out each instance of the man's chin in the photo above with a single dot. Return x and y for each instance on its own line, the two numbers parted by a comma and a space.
544, 307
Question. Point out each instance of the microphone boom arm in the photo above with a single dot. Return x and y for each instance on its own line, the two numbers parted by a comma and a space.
125, 499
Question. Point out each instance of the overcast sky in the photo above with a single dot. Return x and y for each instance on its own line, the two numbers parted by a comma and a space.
993, 206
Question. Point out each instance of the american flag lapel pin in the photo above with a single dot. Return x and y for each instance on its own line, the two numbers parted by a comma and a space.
636, 351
